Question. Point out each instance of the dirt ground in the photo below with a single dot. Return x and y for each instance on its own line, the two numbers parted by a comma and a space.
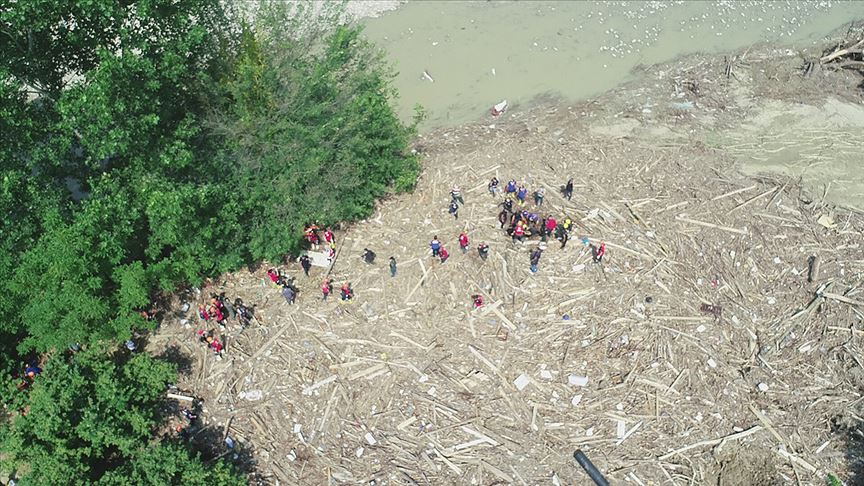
410, 385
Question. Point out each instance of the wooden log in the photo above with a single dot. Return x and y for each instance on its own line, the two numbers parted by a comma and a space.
181, 397
710, 225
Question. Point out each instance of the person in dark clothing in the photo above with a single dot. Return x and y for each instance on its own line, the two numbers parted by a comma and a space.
483, 250
306, 263
564, 237
454, 209
535, 259
502, 217
568, 189
493, 186
538, 196
392, 267
244, 314
507, 204
289, 293
368, 256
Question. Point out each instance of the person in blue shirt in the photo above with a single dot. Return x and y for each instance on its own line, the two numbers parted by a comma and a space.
435, 245
511, 186
522, 194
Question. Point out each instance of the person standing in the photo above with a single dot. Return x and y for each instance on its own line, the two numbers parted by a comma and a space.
289, 293
568, 189
368, 256
599, 253
535, 260
306, 263
538, 196
435, 245
463, 242
443, 254
483, 250
493, 186
456, 195
392, 267
502, 217
521, 194
327, 288
329, 237
454, 209
511, 187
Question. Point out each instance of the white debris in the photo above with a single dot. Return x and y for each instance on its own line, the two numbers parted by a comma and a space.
252, 395
522, 382
546, 374
370, 438
359, 452
578, 380
576, 399
763, 387
712, 363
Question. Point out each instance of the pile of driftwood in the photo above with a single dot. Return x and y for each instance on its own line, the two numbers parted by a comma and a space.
724, 320
847, 53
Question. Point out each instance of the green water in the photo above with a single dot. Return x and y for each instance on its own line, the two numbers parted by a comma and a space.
479, 53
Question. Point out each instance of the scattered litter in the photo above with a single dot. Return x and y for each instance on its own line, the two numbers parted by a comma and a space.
499, 108
252, 395
577, 380
827, 221
763, 387
370, 439
712, 363
576, 399
522, 381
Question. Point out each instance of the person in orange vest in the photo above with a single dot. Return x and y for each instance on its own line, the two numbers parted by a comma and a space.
463, 242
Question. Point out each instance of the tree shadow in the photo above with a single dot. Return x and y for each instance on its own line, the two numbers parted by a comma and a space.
179, 358
210, 442
852, 434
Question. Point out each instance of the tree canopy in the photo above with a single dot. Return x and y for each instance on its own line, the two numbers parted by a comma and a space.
146, 145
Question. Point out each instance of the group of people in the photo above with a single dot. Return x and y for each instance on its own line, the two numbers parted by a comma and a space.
220, 309
311, 235
522, 223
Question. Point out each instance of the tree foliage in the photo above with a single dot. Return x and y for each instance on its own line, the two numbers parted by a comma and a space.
146, 145
89, 420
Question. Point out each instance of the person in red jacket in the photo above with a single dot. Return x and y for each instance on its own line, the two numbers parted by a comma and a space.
329, 237
478, 301
518, 232
327, 288
598, 255
443, 254
463, 242
202, 313
551, 224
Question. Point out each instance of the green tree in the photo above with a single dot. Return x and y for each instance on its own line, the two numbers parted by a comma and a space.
311, 115
91, 418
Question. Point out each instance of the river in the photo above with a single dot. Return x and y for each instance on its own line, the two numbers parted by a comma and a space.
457, 59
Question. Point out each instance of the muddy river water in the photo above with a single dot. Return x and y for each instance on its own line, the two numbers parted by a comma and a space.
457, 59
